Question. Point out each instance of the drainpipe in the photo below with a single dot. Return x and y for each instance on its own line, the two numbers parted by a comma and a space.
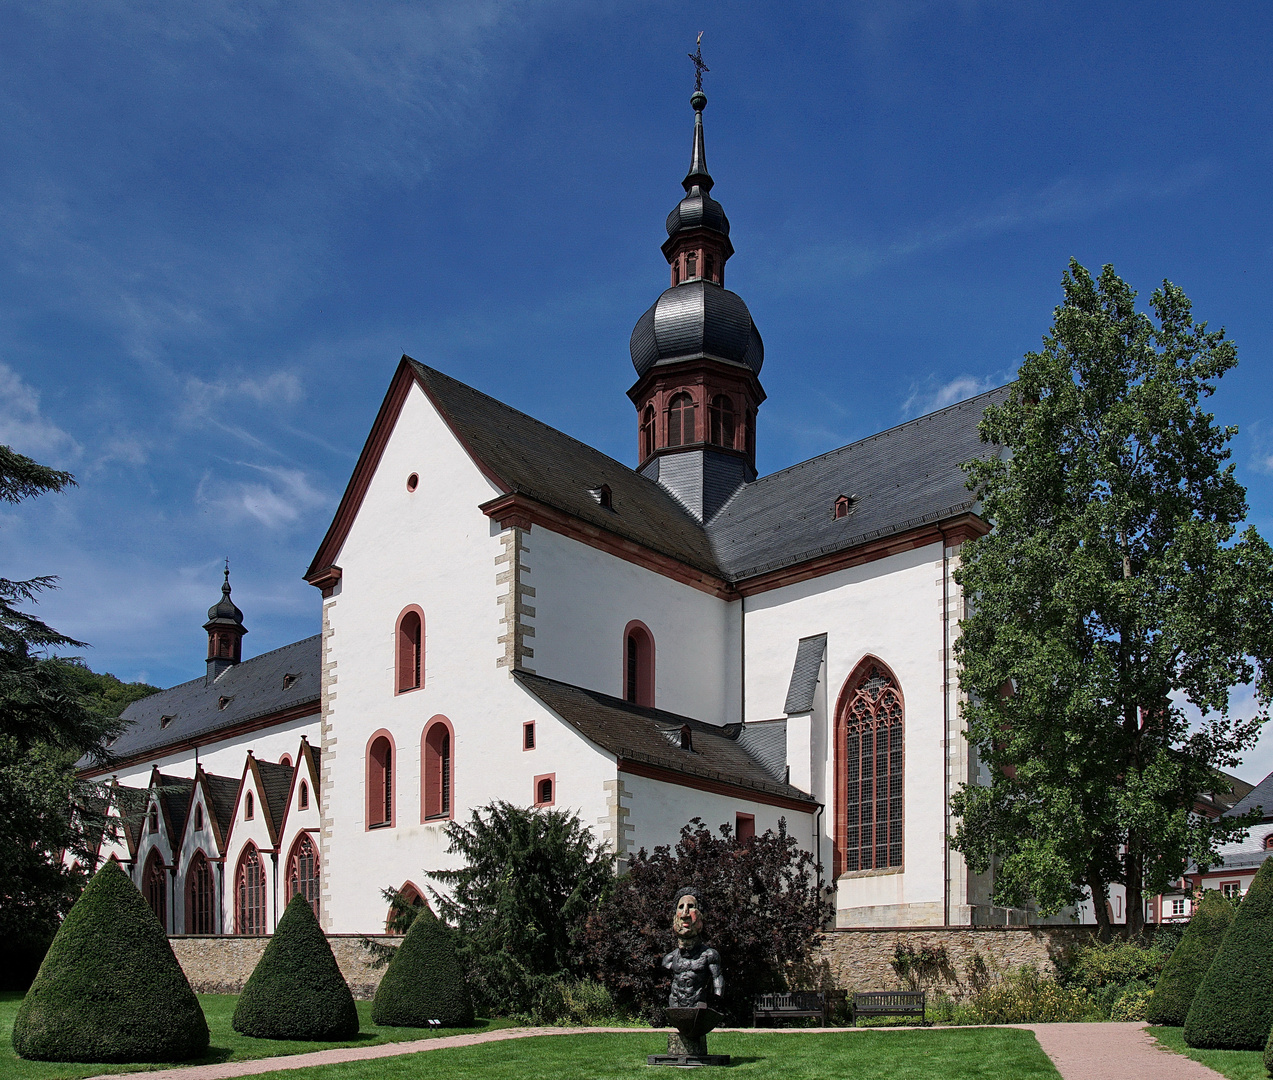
817, 839
945, 742
742, 659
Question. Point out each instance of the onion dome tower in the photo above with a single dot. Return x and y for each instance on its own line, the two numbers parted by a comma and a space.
225, 632
697, 355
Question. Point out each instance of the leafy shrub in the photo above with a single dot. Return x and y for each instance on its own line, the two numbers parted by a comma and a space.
530, 876
424, 981
1099, 965
1182, 974
1131, 1006
296, 991
1026, 997
922, 966
763, 912
1233, 1009
561, 999
110, 988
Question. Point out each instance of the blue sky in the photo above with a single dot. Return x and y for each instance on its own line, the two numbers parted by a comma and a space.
222, 223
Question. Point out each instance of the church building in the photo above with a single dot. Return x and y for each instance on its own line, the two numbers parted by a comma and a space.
509, 614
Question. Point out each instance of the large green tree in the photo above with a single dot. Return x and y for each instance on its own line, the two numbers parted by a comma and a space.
53, 711
1111, 589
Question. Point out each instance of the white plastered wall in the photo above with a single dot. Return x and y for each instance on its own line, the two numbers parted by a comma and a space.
890, 609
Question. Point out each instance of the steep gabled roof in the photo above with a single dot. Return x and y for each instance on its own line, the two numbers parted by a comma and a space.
174, 794
276, 783
652, 737
197, 710
1259, 797
219, 793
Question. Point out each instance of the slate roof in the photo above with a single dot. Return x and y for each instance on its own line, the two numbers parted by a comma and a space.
901, 478
276, 783
131, 804
222, 792
254, 689
804, 674
175, 793
1259, 796
652, 736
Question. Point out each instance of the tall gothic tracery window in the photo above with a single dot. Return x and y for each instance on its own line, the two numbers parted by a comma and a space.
302, 871
249, 893
870, 733
154, 887
721, 421
201, 897
437, 772
680, 420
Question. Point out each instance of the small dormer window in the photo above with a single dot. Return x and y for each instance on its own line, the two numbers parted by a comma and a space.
603, 496
223, 701
249, 807
687, 738
1268, 842
843, 504
289, 680
164, 721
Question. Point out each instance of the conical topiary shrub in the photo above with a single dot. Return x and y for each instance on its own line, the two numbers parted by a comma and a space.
1233, 1008
110, 988
296, 991
1183, 972
424, 981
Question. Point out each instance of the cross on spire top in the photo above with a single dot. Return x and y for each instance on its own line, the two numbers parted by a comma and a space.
699, 66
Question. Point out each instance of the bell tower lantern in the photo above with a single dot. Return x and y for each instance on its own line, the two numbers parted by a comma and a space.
225, 632
697, 354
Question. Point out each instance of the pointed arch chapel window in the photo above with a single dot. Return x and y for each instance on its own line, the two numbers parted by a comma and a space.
410, 650
154, 888
721, 416
680, 420
872, 722
200, 897
249, 893
302, 871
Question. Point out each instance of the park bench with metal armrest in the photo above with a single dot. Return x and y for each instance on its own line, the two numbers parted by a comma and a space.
889, 1003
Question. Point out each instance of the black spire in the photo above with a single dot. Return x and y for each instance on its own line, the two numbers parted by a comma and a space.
225, 631
698, 176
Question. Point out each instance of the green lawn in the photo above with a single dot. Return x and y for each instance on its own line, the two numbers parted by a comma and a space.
226, 1044
990, 1053
1235, 1064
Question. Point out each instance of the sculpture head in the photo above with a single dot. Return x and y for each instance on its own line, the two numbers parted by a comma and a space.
687, 918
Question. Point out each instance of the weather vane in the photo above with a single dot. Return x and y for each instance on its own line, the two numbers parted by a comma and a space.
699, 66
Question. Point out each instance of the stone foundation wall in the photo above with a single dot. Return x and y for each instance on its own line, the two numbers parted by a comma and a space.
221, 965
861, 960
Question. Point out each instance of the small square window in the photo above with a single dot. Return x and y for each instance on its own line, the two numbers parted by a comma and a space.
1231, 889
528, 735
1177, 907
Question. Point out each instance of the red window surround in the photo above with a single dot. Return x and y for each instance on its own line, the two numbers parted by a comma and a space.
409, 895
249, 807
744, 826
409, 669
381, 759
638, 664
528, 735
869, 763
545, 789
437, 780
302, 871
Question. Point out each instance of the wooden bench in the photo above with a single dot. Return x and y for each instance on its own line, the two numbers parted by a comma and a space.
792, 1005
889, 1003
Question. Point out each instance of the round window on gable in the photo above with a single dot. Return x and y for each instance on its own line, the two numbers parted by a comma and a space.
413, 481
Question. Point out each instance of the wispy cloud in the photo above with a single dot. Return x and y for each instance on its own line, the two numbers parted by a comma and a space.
933, 394
25, 428
280, 498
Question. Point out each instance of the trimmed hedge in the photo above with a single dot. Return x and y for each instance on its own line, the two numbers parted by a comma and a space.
110, 989
1183, 972
296, 991
424, 981
1233, 1008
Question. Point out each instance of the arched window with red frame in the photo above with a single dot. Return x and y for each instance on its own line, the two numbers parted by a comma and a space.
437, 770
249, 893
638, 664
870, 759
154, 886
408, 898
380, 755
721, 421
680, 420
201, 897
410, 661
302, 871
647, 432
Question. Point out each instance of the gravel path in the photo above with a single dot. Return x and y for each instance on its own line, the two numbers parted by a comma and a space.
1079, 1051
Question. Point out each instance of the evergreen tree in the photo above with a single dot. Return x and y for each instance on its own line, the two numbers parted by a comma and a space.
1110, 589
1188, 963
110, 988
296, 991
424, 981
1233, 1008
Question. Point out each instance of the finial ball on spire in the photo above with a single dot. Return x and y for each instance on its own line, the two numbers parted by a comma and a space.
698, 101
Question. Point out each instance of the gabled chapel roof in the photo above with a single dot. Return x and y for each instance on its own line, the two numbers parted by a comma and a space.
646, 736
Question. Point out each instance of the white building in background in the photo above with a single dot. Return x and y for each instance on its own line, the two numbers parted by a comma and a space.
510, 614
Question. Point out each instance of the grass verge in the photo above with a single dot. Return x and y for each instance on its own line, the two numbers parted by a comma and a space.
1234, 1064
975, 1054
226, 1043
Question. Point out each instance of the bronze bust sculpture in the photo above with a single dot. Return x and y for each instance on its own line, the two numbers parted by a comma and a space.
697, 981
